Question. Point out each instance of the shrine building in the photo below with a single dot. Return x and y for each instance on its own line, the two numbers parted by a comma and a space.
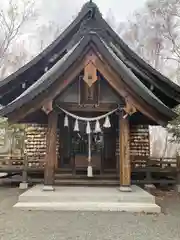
96, 96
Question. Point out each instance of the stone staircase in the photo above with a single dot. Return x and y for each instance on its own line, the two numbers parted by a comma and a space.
80, 198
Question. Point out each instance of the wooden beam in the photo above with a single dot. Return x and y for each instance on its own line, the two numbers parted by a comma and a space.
50, 159
124, 158
74, 107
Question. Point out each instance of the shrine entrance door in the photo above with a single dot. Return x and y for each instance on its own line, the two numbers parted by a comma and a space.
74, 148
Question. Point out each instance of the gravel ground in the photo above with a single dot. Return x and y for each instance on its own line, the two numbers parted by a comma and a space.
16, 224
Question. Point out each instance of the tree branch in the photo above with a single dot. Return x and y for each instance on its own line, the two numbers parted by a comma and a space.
11, 21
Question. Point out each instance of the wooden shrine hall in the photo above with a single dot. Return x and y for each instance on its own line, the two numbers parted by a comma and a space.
95, 95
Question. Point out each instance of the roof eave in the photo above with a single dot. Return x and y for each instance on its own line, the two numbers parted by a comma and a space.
47, 50
78, 52
142, 63
168, 113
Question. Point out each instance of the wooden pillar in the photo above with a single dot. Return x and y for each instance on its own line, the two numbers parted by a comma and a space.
124, 156
50, 159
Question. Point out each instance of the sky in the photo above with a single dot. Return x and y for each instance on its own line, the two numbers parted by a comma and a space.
64, 10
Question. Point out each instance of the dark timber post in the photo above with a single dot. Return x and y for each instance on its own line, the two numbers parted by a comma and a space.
24, 184
124, 157
50, 159
178, 173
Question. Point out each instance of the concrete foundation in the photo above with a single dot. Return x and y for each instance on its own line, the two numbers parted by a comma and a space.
48, 188
178, 188
125, 189
23, 186
88, 199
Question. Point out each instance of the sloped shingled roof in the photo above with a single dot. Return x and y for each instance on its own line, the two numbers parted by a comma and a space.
89, 27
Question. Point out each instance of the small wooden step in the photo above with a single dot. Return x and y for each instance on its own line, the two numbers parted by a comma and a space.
85, 177
68, 179
86, 182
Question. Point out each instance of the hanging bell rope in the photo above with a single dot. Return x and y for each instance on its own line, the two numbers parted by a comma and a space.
88, 128
90, 168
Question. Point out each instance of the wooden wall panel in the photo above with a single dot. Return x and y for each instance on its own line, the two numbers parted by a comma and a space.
139, 141
35, 144
11, 145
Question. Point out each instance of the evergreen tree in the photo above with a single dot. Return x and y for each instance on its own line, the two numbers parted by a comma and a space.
174, 127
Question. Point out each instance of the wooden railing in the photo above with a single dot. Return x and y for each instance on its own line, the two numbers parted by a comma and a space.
11, 164
136, 162
163, 163
144, 170
155, 170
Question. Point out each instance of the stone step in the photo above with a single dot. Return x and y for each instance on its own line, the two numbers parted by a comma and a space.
89, 206
86, 194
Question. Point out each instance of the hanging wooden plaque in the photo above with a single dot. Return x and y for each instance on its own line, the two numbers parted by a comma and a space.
90, 74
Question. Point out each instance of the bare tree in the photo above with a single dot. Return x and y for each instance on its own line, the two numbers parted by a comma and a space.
46, 34
143, 34
14, 14
154, 33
